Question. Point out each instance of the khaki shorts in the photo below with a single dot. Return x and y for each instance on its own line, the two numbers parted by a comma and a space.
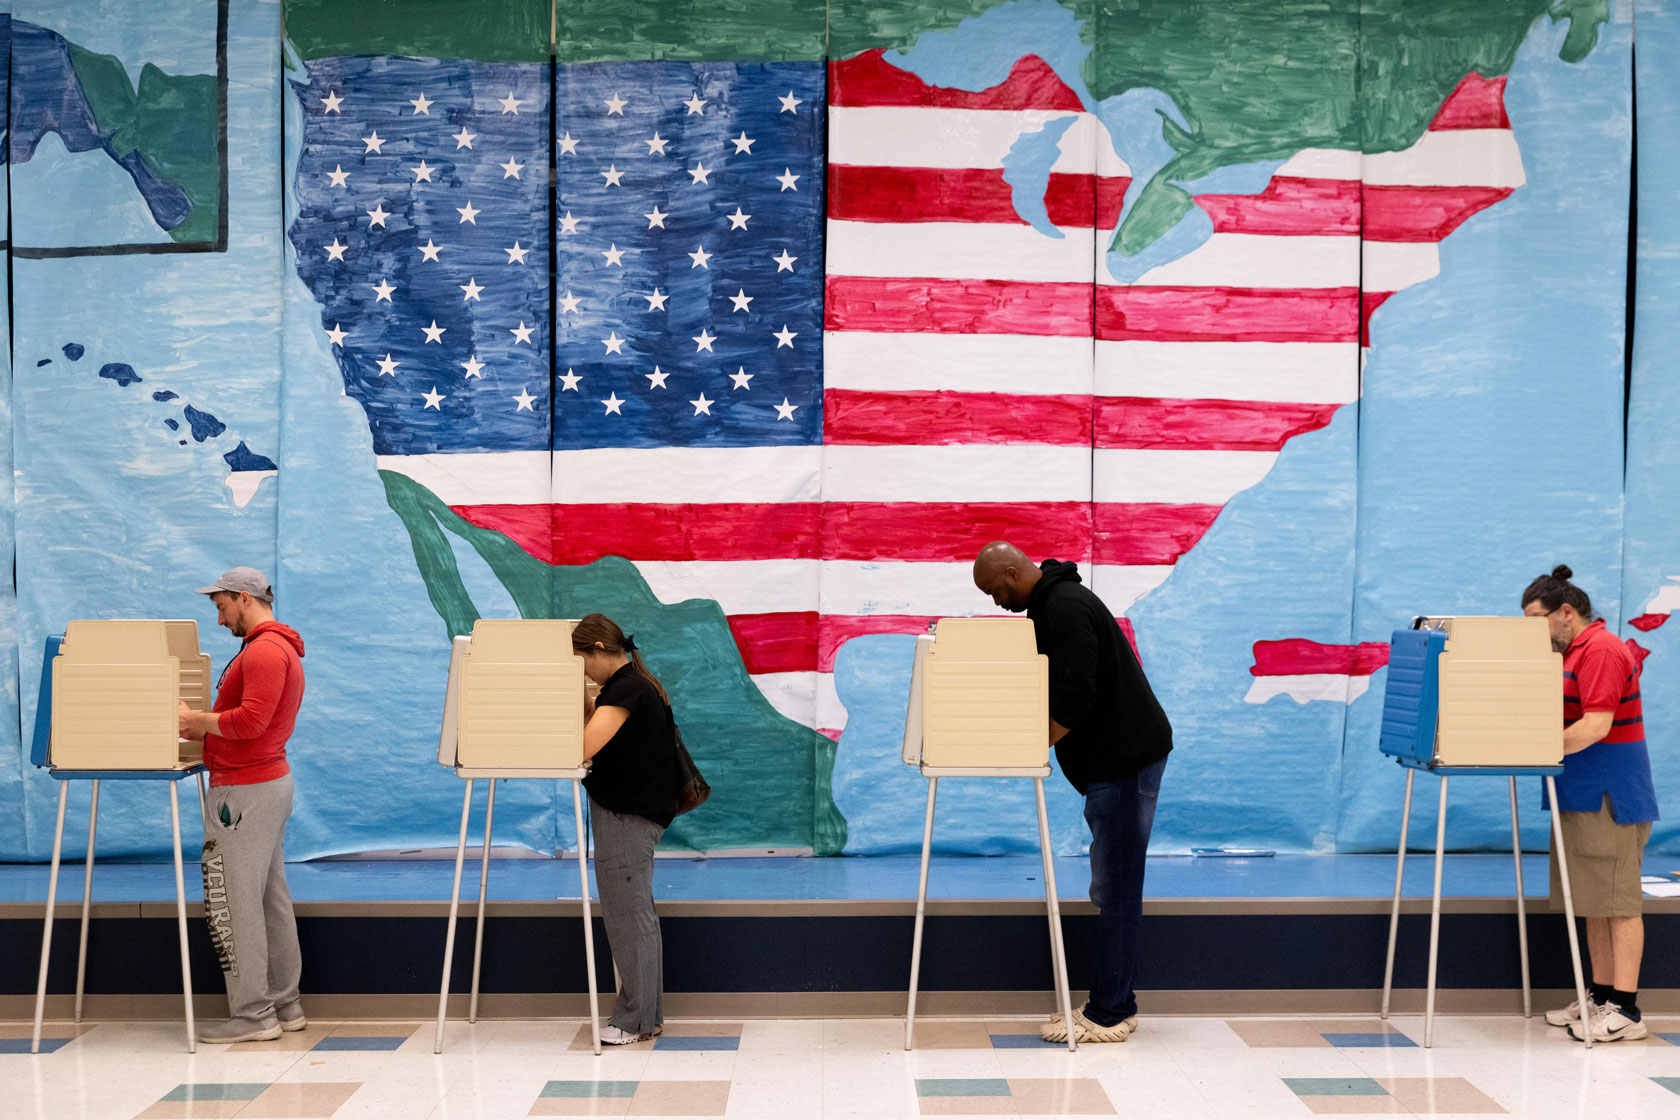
1604, 863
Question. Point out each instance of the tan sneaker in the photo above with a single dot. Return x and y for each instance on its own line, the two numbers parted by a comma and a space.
1086, 1031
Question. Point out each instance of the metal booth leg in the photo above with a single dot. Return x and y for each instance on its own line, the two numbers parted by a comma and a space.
1435, 917
1399, 876
1522, 911
921, 915
1058, 951
454, 909
46, 928
483, 887
181, 915
1569, 910
87, 898
588, 918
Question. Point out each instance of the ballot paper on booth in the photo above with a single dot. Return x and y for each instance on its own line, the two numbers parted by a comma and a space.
116, 690
1474, 691
979, 697
514, 699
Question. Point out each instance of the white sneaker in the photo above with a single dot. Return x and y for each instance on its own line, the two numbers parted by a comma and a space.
1564, 1016
1608, 1024
613, 1036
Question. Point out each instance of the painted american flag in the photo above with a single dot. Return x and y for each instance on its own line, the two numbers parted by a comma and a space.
821, 450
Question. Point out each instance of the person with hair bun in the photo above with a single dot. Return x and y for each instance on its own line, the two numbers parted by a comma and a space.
1606, 801
630, 737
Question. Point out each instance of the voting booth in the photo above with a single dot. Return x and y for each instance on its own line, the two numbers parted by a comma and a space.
979, 707
513, 708
108, 710
1469, 696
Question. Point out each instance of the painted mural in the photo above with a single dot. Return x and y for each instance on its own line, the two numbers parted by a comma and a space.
1286, 321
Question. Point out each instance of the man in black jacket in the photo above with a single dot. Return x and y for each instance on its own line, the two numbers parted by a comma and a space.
1112, 740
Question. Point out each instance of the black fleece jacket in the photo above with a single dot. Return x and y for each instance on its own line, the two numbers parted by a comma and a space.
1097, 688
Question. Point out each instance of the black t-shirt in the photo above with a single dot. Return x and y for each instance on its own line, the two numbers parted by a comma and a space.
636, 772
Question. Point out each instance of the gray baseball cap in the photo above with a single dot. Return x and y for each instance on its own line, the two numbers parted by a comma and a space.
242, 579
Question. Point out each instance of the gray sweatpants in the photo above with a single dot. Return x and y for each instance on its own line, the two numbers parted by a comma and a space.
246, 902
624, 876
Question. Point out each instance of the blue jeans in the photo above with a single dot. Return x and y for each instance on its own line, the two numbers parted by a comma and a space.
1121, 815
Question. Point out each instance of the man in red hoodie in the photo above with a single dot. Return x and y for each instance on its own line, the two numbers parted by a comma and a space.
246, 902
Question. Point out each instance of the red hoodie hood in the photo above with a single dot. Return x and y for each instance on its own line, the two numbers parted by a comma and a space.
279, 629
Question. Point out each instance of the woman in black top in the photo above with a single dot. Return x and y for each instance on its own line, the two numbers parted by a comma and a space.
630, 738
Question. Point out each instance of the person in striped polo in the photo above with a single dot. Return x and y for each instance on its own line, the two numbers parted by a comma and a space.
1607, 801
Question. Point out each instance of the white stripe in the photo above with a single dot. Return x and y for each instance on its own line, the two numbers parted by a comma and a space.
1393, 265
1260, 260
959, 251
1307, 372
687, 474
477, 477
1472, 157
859, 588
1014, 472
938, 588
964, 363
1120, 586
1210, 477
910, 136
1320, 163
1305, 687
1666, 600
737, 586
807, 698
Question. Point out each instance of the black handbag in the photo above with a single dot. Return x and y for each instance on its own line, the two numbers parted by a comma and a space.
692, 788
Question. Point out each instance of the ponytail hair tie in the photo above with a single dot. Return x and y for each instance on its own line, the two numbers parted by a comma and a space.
629, 643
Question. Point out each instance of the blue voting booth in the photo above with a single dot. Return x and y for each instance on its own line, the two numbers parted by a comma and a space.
1466, 697
106, 712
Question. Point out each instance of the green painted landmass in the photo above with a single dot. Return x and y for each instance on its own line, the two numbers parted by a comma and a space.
171, 121
771, 777
690, 30
1263, 79
584, 30
485, 30
855, 26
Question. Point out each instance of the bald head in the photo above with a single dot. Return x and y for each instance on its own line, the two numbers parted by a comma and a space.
1004, 573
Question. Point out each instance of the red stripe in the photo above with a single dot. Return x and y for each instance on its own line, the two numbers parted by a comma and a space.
1418, 214
1210, 425
1476, 102
1288, 206
929, 532
1640, 653
929, 417
965, 194
868, 303
583, 533
951, 531
1297, 656
912, 531
1222, 314
777, 643
835, 631
1647, 622
869, 80
1368, 304
1147, 532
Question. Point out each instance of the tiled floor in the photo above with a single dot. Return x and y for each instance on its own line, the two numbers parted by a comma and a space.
1182, 1068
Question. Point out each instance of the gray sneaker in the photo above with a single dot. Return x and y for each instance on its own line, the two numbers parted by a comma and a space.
240, 1030
291, 1016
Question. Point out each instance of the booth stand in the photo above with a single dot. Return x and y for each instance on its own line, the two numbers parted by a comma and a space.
979, 708
513, 708
1475, 697
107, 711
